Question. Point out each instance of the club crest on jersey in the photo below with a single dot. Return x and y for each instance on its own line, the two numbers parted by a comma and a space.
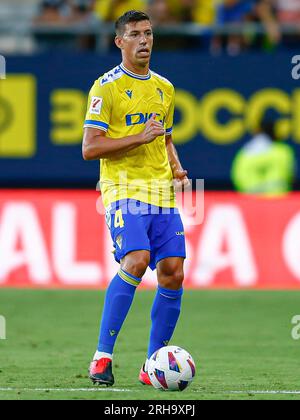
96, 105
129, 93
161, 94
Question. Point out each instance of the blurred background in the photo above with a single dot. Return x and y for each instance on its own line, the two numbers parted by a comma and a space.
231, 63
236, 71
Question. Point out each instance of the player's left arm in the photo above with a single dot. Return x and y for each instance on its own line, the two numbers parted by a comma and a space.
179, 174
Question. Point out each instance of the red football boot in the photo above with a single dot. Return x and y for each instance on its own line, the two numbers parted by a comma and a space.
101, 372
144, 377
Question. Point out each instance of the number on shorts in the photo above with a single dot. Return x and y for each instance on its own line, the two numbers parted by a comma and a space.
119, 221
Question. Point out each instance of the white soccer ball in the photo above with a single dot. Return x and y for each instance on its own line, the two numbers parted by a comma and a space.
171, 368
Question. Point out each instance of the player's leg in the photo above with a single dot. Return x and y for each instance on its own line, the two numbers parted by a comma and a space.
166, 307
167, 303
168, 251
132, 250
119, 297
118, 300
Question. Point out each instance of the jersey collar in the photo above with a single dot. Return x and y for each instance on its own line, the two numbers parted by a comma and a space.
134, 75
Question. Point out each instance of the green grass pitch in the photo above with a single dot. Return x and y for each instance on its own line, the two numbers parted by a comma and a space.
241, 342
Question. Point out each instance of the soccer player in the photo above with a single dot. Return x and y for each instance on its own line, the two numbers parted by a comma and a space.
129, 128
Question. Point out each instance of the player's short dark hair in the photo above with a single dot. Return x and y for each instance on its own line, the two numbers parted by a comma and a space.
128, 17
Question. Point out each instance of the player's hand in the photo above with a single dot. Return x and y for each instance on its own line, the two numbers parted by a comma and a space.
180, 180
152, 130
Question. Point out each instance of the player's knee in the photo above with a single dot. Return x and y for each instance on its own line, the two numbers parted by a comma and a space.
171, 281
136, 263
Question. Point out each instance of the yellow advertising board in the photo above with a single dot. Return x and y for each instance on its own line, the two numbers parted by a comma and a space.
18, 116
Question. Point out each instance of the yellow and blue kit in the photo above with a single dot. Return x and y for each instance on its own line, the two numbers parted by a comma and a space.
120, 103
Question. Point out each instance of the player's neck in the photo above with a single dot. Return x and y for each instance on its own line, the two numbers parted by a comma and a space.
138, 70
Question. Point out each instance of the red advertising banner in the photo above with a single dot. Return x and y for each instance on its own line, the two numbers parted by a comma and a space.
58, 239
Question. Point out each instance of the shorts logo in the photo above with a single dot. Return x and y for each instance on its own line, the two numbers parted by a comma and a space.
180, 233
96, 105
119, 241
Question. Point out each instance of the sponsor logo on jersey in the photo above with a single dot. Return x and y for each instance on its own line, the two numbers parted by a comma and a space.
129, 93
96, 105
140, 118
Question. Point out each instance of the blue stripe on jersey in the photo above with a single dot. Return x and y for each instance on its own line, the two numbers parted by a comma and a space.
97, 123
134, 75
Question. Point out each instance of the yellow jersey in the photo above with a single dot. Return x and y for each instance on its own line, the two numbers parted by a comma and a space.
120, 103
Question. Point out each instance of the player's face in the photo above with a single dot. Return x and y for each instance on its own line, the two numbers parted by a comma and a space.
136, 43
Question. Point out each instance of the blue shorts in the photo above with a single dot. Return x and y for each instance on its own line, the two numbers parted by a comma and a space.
135, 225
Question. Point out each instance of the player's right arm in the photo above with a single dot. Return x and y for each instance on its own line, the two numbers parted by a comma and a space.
96, 144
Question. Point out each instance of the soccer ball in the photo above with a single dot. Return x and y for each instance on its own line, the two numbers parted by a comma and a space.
171, 368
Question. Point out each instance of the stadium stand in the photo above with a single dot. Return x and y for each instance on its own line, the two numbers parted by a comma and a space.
260, 24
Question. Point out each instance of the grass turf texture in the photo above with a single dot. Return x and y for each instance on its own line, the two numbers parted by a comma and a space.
240, 340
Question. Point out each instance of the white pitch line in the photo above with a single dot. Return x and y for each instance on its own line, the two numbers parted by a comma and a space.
129, 390
262, 392
65, 390
247, 392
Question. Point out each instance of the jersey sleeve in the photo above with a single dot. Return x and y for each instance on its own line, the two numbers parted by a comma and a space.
170, 114
99, 107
